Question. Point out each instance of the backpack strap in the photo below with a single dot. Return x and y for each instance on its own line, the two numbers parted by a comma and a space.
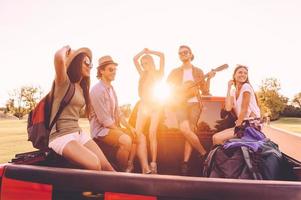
65, 101
208, 164
49, 98
248, 162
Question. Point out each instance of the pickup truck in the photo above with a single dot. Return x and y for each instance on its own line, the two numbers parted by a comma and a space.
44, 175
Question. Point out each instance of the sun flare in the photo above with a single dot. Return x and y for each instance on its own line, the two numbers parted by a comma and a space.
161, 91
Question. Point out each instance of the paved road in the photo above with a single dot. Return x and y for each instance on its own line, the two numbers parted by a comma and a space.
289, 143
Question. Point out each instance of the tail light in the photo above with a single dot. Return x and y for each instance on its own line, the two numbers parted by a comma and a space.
122, 196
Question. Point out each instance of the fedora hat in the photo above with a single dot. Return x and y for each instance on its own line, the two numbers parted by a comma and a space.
105, 60
74, 53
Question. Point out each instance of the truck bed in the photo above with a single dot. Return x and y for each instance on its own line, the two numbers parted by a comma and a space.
47, 176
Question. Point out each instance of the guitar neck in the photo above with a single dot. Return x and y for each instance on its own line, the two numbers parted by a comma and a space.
220, 68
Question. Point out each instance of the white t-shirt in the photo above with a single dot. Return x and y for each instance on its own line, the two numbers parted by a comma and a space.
253, 107
187, 76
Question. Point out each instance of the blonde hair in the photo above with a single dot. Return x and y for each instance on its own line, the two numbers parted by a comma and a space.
148, 58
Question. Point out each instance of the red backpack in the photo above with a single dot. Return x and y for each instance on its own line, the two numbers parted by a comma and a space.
38, 122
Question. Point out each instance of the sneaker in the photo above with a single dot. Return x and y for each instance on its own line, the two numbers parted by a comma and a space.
153, 167
184, 169
130, 168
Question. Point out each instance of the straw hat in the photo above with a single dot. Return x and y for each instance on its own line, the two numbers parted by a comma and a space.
74, 53
105, 60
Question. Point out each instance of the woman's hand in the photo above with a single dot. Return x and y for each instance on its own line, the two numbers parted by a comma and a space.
64, 51
238, 122
67, 49
230, 83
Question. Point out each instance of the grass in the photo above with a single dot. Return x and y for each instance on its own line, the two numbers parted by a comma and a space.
290, 124
13, 135
13, 138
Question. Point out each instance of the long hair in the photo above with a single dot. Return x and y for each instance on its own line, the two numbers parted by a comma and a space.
247, 81
236, 69
75, 75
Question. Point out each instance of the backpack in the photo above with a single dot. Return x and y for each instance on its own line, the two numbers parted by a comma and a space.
38, 122
230, 163
241, 162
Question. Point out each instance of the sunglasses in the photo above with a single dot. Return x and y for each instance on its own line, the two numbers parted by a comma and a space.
112, 69
88, 63
184, 53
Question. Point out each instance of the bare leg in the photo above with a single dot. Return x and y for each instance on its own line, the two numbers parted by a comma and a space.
191, 137
221, 137
142, 147
92, 146
132, 153
125, 144
142, 153
153, 135
187, 151
81, 155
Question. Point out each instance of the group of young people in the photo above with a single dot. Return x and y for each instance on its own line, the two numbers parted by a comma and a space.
107, 123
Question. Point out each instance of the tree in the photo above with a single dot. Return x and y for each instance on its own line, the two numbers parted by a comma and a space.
30, 96
9, 106
23, 100
297, 99
270, 101
291, 111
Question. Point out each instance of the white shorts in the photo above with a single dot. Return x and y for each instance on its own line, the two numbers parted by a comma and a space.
59, 143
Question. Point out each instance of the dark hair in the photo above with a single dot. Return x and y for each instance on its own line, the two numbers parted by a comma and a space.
74, 72
247, 81
187, 47
236, 69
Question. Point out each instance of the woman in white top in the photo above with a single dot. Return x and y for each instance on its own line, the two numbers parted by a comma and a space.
243, 99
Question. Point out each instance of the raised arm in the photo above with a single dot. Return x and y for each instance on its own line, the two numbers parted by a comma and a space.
162, 59
60, 58
136, 62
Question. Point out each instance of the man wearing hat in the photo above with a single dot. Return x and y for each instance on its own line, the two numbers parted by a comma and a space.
106, 117
189, 109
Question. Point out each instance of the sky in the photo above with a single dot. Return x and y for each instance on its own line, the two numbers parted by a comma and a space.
265, 35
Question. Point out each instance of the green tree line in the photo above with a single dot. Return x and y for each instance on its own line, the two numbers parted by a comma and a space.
22, 100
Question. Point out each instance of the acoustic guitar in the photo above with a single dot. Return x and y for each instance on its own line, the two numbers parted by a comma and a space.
190, 89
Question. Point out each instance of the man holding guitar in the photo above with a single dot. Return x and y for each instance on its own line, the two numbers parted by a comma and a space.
186, 81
